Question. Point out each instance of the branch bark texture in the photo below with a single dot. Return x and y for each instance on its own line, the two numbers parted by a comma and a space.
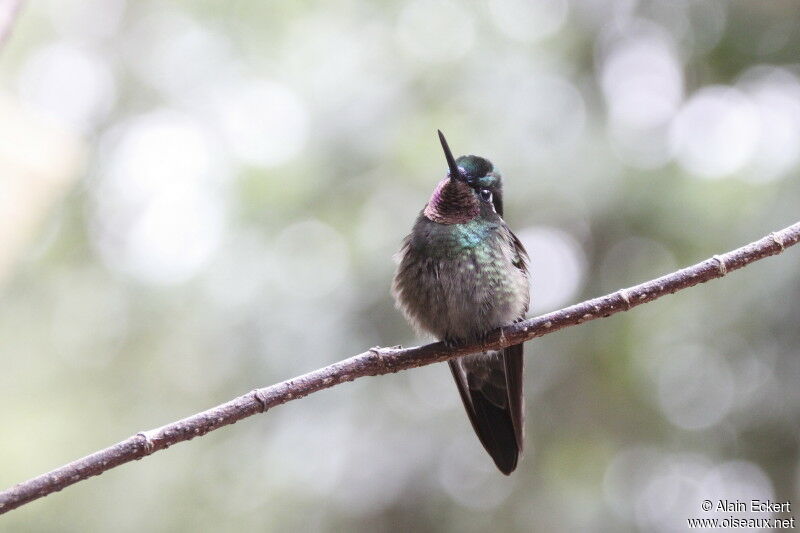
377, 361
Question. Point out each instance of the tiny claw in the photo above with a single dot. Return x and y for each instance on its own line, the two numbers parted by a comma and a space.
502, 335
449, 343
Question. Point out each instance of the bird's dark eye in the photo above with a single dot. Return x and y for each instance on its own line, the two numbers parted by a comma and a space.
486, 195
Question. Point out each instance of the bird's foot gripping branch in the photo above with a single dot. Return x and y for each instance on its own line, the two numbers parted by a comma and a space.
387, 360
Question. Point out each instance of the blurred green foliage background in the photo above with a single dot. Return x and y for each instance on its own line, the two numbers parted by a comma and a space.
200, 198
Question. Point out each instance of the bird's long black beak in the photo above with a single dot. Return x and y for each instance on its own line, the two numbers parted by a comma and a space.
455, 172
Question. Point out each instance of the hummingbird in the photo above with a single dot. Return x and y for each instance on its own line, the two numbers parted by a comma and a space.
462, 273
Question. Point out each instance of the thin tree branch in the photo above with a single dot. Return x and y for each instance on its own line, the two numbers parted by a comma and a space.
379, 361
9, 9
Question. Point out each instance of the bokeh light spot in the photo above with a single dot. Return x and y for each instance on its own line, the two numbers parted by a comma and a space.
716, 132
158, 214
557, 266
529, 20
436, 30
776, 94
263, 122
72, 84
642, 80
